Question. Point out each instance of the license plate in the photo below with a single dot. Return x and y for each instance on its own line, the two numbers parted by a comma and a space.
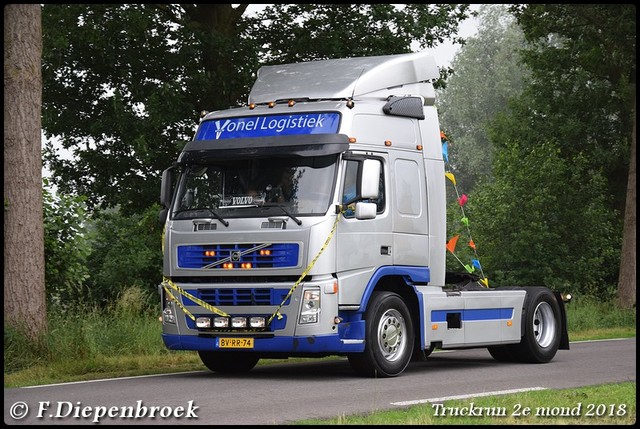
235, 343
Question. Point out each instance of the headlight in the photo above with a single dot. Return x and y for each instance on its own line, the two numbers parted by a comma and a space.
168, 311
310, 306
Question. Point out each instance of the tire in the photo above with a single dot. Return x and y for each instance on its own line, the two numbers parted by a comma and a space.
542, 328
228, 362
502, 353
389, 338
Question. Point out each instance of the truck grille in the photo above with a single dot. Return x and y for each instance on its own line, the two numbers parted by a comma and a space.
238, 296
238, 256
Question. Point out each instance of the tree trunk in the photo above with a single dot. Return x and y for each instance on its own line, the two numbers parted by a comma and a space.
627, 276
24, 284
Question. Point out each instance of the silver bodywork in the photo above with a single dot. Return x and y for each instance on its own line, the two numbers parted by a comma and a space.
409, 234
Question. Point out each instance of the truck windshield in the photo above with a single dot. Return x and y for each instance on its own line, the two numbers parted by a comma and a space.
256, 187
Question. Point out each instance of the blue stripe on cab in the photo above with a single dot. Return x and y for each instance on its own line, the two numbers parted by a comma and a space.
474, 314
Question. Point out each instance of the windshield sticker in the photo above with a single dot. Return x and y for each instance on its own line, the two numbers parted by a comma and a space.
243, 201
266, 126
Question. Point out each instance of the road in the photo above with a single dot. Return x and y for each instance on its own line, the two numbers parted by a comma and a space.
286, 392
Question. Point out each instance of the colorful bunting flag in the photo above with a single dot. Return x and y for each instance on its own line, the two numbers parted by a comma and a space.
450, 177
462, 200
451, 244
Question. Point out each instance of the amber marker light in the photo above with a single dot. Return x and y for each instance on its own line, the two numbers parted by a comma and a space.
387, 142
291, 103
434, 327
252, 106
352, 139
509, 323
419, 147
271, 104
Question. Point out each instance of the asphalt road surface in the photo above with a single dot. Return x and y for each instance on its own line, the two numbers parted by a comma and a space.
286, 392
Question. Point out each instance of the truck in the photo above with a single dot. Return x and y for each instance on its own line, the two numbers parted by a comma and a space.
311, 222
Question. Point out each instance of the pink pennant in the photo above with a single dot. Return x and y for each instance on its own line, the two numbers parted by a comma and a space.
462, 200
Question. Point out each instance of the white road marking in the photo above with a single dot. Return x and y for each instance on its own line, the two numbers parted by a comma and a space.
470, 395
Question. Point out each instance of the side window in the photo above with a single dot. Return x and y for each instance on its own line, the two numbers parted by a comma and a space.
349, 189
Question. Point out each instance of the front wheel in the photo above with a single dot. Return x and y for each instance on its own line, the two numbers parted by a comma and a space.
388, 337
542, 328
228, 362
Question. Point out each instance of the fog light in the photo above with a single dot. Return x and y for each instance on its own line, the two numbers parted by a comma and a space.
257, 322
203, 322
220, 322
566, 297
238, 322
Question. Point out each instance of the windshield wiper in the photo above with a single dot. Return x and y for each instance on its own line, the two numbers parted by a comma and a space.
207, 209
287, 212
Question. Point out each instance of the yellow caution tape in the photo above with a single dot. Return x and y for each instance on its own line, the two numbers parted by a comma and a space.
167, 283
304, 273
197, 300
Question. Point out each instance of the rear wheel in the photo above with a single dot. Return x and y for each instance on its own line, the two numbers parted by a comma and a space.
228, 362
542, 328
388, 338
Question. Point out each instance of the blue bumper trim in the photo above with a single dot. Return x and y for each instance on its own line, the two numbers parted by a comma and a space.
313, 344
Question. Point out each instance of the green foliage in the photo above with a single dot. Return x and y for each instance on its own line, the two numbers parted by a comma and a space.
303, 32
122, 83
547, 221
82, 333
583, 82
551, 214
487, 73
126, 252
66, 247
588, 314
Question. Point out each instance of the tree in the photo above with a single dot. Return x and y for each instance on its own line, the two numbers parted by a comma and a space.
24, 273
584, 62
124, 83
487, 73
66, 248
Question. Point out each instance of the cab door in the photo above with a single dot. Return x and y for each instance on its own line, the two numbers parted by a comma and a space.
363, 245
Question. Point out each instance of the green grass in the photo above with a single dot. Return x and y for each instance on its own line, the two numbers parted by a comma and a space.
608, 404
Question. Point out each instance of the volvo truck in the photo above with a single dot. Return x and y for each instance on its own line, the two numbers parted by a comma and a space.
311, 222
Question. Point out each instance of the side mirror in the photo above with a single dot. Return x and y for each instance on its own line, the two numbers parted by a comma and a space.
162, 215
370, 179
366, 210
166, 188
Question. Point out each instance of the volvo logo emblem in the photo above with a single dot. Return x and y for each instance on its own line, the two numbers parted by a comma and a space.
235, 256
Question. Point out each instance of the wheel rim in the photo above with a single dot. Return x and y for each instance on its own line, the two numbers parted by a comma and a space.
391, 332
544, 324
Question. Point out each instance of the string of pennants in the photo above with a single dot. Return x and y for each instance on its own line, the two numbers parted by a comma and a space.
462, 200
